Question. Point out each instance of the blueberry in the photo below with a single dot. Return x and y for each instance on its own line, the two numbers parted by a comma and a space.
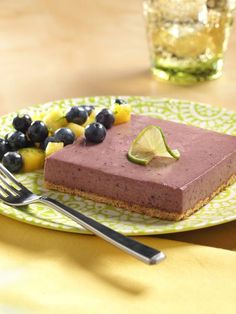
77, 115
64, 135
4, 148
22, 122
106, 118
17, 140
12, 161
95, 132
120, 101
89, 109
37, 132
48, 139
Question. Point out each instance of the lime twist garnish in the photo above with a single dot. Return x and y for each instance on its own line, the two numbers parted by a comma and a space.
150, 143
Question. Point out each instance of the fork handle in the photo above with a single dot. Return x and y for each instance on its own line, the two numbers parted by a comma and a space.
142, 252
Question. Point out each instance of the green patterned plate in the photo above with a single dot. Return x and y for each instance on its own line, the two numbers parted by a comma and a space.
220, 210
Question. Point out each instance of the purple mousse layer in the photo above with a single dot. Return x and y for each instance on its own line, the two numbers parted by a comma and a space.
208, 160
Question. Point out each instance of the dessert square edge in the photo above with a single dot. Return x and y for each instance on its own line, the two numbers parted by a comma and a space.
165, 188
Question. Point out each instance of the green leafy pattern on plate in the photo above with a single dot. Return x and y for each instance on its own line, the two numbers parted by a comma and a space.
220, 210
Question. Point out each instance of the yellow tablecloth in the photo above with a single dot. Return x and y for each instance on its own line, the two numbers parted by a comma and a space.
45, 271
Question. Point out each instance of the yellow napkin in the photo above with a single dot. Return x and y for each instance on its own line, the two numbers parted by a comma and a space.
44, 271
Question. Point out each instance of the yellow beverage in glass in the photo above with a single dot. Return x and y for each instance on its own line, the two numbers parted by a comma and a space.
188, 38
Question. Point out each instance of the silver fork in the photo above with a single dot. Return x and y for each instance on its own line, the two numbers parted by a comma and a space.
13, 193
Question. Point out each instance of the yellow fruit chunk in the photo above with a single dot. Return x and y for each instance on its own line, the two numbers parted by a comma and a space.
90, 119
53, 147
122, 113
33, 158
78, 130
55, 119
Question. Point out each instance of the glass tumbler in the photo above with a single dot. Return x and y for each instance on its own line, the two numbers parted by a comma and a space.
188, 38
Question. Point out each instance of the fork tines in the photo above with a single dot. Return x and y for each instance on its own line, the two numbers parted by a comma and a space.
8, 184
6, 187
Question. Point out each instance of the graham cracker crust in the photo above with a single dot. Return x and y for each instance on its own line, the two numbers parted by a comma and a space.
153, 212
